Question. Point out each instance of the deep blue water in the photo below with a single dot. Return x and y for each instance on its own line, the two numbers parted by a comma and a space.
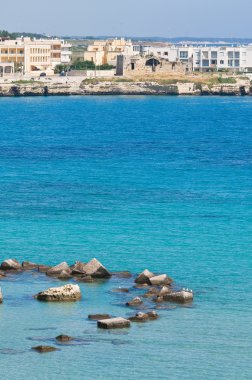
163, 183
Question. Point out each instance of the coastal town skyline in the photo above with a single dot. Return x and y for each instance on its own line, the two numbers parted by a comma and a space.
165, 19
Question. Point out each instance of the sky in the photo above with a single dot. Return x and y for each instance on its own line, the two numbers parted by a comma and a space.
140, 18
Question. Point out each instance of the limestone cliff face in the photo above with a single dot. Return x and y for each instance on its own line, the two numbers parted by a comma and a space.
122, 88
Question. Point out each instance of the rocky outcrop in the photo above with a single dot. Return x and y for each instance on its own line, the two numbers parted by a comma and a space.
67, 293
144, 317
27, 265
122, 86
44, 349
10, 264
162, 279
135, 302
113, 323
58, 269
64, 338
43, 268
78, 269
144, 277
181, 297
96, 270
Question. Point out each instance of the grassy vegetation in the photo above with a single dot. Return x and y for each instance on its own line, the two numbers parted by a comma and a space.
22, 81
227, 80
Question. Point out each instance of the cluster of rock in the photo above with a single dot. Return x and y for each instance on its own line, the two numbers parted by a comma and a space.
84, 271
158, 289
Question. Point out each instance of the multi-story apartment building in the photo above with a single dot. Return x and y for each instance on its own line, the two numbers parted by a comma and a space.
206, 58
106, 51
31, 55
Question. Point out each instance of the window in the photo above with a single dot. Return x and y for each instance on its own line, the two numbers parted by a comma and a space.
184, 54
221, 62
166, 53
237, 63
237, 54
214, 54
230, 54
205, 62
230, 63
205, 54
214, 62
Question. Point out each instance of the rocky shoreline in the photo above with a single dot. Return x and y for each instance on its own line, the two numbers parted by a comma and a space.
122, 88
146, 292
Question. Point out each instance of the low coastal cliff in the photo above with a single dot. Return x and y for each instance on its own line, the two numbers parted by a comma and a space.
97, 87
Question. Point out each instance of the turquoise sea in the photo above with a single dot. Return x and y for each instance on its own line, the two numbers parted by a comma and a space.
163, 183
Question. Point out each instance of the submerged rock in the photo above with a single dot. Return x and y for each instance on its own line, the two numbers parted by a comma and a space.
1, 296
58, 269
152, 315
113, 323
135, 302
123, 274
95, 269
64, 275
181, 297
158, 299
151, 292
139, 317
67, 293
144, 277
162, 279
2, 274
120, 290
144, 317
10, 264
44, 349
64, 338
98, 317
85, 279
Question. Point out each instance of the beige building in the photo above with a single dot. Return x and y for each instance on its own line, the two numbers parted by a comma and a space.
32, 55
103, 52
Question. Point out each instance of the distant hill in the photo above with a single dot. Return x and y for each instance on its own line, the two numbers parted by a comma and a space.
175, 40
14, 35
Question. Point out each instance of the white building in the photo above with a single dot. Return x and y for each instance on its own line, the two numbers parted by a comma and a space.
206, 58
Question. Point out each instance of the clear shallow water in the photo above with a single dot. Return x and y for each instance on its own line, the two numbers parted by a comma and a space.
157, 182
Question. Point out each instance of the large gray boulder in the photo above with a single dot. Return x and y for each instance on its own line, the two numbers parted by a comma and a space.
183, 296
67, 293
1, 296
95, 269
58, 269
10, 264
144, 277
